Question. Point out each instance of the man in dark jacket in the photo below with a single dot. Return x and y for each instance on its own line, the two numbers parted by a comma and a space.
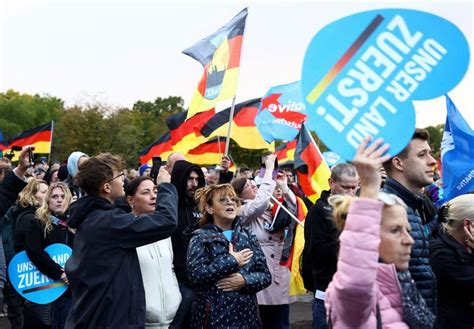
407, 173
103, 271
321, 236
187, 178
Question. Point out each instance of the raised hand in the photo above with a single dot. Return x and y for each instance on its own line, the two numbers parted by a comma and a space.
163, 176
270, 162
242, 257
368, 160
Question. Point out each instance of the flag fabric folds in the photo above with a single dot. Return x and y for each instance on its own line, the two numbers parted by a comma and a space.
162, 147
40, 137
296, 252
311, 168
209, 152
219, 53
281, 112
185, 134
457, 154
286, 152
244, 132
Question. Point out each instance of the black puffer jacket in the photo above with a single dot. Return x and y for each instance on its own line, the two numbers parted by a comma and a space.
188, 215
454, 269
208, 262
422, 224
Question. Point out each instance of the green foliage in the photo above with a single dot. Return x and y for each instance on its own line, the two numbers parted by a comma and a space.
20, 112
436, 136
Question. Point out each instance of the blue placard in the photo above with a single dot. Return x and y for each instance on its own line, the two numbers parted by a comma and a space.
362, 73
332, 158
281, 112
31, 283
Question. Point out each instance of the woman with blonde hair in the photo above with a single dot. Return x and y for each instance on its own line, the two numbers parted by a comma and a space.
372, 287
225, 264
452, 260
50, 227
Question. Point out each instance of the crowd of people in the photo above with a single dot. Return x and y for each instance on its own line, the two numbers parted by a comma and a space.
185, 246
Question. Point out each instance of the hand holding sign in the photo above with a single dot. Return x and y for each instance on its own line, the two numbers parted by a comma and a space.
31, 283
362, 72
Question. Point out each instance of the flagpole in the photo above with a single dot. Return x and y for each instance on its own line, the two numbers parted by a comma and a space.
231, 118
285, 209
51, 141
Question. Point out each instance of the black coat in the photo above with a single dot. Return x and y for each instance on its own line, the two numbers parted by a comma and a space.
36, 242
188, 215
208, 262
103, 271
422, 225
454, 269
10, 187
321, 242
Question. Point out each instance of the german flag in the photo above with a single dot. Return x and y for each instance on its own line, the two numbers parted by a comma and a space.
244, 132
286, 152
209, 152
185, 134
313, 172
219, 53
162, 147
39, 137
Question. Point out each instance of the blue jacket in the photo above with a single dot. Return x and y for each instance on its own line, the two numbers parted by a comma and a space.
422, 225
103, 271
208, 262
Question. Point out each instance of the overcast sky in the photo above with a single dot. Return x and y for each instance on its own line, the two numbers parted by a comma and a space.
118, 52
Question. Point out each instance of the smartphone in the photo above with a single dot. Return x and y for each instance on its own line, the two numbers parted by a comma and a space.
155, 169
31, 156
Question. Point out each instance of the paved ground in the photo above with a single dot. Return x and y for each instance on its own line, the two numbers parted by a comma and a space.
300, 316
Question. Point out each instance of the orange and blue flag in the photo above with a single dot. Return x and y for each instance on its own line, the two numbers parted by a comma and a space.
219, 53
310, 166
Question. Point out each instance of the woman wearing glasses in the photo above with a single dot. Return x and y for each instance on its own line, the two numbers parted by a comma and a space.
49, 227
162, 295
225, 264
372, 287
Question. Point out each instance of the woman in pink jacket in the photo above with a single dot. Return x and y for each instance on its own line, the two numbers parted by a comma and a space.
372, 287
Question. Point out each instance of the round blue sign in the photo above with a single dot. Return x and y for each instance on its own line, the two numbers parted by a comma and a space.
31, 283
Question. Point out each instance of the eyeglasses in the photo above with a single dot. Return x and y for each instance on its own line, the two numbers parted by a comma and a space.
225, 199
119, 175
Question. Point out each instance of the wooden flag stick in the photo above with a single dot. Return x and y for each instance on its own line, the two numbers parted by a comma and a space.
231, 118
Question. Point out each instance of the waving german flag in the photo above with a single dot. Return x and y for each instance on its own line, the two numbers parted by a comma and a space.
313, 172
39, 137
209, 152
286, 152
162, 147
244, 132
219, 53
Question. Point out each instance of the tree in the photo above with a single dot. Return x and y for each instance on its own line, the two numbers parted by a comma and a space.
436, 136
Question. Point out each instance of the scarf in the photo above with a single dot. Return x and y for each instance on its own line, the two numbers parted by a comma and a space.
416, 313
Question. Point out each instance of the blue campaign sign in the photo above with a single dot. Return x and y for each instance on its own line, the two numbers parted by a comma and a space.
31, 283
281, 112
362, 73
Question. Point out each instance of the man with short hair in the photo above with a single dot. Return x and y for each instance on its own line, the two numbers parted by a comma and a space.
187, 178
321, 237
172, 158
407, 173
103, 271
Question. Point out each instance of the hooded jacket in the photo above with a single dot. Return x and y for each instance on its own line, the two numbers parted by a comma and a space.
188, 215
209, 261
103, 271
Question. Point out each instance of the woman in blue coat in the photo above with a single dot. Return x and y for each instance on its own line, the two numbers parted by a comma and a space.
225, 264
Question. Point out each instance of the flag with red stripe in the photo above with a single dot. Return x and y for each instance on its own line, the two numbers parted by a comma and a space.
286, 152
219, 53
310, 166
40, 137
243, 131
162, 147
